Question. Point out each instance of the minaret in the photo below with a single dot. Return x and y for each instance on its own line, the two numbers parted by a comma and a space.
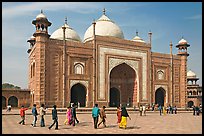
41, 42
182, 52
94, 63
172, 77
64, 64
150, 38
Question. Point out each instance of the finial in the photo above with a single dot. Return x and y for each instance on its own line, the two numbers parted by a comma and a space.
150, 32
136, 33
93, 21
171, 43
65, 20
182, 37
41, 11
104, 11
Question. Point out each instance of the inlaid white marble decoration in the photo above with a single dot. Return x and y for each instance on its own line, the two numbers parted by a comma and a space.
101, 60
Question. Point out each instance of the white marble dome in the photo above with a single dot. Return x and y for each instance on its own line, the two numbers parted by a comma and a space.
138, 39
104, 27
41, 15
191, 74
182, 41
70, 34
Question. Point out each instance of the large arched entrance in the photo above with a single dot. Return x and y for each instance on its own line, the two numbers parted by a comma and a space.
122, 77
190, 104
3, 102
159, 96
13, 101
78, 94
114, 97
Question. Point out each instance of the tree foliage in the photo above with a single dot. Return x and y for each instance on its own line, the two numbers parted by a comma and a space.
7, 85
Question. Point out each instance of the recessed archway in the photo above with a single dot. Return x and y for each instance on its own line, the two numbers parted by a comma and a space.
3, 102
124, 78
159, 96
190, 104
114, 97
78, 94
13, 101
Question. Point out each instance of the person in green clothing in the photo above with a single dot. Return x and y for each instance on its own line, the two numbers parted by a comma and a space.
95, 114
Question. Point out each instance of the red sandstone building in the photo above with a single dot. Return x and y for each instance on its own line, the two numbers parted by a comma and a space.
103, 68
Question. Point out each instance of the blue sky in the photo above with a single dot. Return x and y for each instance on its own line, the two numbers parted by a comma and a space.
168, 21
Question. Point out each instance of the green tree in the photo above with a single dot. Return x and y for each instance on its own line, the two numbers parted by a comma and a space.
7, 85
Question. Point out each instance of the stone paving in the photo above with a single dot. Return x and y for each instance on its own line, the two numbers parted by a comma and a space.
152, 123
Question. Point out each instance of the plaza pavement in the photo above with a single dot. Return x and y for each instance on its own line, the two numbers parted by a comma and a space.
152, 123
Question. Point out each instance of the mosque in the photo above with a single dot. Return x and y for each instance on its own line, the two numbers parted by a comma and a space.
103, 68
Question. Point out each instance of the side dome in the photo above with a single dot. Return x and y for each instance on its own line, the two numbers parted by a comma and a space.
191, 74
104, 27
70, 34
138, 39
182, 41
41, 15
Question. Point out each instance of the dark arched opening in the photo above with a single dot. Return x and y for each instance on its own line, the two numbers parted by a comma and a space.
13, 101
3, 102
159, 96
190, 104
114, 97
78, 94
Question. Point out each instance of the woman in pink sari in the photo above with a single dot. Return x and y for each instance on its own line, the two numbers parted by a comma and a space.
69, 116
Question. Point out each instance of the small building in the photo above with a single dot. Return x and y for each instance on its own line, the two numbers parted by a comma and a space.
15, 97
194, 91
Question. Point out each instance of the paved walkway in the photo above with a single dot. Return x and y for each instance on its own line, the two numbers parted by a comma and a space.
152, 123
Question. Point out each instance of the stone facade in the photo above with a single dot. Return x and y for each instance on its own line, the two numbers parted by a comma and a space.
107, 70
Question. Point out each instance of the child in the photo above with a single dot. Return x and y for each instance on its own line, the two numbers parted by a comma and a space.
103, 116
119, 115
22, 114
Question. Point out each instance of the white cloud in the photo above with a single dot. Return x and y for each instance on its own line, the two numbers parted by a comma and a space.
195, 17
27, 8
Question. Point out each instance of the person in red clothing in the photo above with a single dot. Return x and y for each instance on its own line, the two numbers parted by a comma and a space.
119, 115
22, 114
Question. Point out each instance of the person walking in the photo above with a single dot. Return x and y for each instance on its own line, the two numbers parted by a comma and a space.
22, 114
103, 117
42, 114
68, 116
144, 109
164, 110
34, 113
119, 115
95, 114
124, 114
74, 117
160, 110
152, 106
175, 109
194, 110
8, 108
140, 109
54, 118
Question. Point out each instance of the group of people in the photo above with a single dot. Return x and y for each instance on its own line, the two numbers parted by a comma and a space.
71, 117
142, 110
167, 110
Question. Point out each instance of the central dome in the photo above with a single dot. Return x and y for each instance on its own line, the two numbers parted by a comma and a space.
104, 27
